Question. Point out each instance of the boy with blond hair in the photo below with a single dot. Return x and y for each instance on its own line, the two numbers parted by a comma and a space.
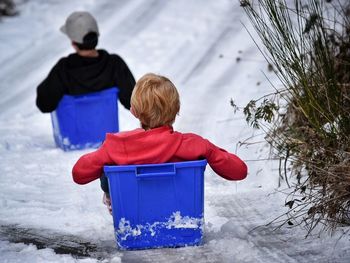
155, 102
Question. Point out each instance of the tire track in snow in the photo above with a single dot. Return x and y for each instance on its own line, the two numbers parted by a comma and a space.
223, 84
192, 58
208, 54
170, 255
244, 219
60, 243
263, 244
248, 225
216, 90
134, 22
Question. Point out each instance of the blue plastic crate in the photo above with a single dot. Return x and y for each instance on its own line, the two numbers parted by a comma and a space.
82, 121
157, 205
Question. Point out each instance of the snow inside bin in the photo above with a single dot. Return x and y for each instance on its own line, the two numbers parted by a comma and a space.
157, 205
82, 121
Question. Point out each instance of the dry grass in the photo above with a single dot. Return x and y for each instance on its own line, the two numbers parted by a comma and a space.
308, 43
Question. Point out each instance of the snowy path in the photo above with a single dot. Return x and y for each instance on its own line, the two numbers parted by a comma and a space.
197, 44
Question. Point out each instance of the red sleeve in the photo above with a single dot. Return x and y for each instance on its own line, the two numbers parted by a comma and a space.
89, 167
225, 164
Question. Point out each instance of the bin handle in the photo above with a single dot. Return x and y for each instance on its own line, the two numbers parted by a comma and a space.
155, 171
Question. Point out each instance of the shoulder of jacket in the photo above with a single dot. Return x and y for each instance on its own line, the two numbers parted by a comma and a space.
61, 61
107, 54
68, 57
64, 60
192, 136
118, 59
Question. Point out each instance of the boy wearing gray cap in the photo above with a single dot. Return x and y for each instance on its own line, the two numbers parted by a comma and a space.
87, 70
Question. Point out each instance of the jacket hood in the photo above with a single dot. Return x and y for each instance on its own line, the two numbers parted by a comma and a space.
139, 146
88, 72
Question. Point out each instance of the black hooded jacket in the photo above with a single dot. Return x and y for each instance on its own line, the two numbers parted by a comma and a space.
76, 75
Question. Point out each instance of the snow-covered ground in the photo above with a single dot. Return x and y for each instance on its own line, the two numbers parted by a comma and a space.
203, 47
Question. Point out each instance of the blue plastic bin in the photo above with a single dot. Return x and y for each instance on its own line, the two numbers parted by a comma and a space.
82, 121
157, 205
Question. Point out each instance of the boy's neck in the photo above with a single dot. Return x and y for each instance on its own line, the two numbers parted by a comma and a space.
146, 128
92, 53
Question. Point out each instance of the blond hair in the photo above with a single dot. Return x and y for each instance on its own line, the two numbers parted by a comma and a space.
155, 101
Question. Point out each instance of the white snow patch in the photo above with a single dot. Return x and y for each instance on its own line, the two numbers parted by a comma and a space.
175, 221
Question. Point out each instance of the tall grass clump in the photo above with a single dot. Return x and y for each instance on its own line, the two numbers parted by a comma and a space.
307, 122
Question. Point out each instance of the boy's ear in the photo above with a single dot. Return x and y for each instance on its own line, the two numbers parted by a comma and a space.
133, 112
75, 46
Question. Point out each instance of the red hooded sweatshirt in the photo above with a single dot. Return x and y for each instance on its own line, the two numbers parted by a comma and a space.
159, 145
